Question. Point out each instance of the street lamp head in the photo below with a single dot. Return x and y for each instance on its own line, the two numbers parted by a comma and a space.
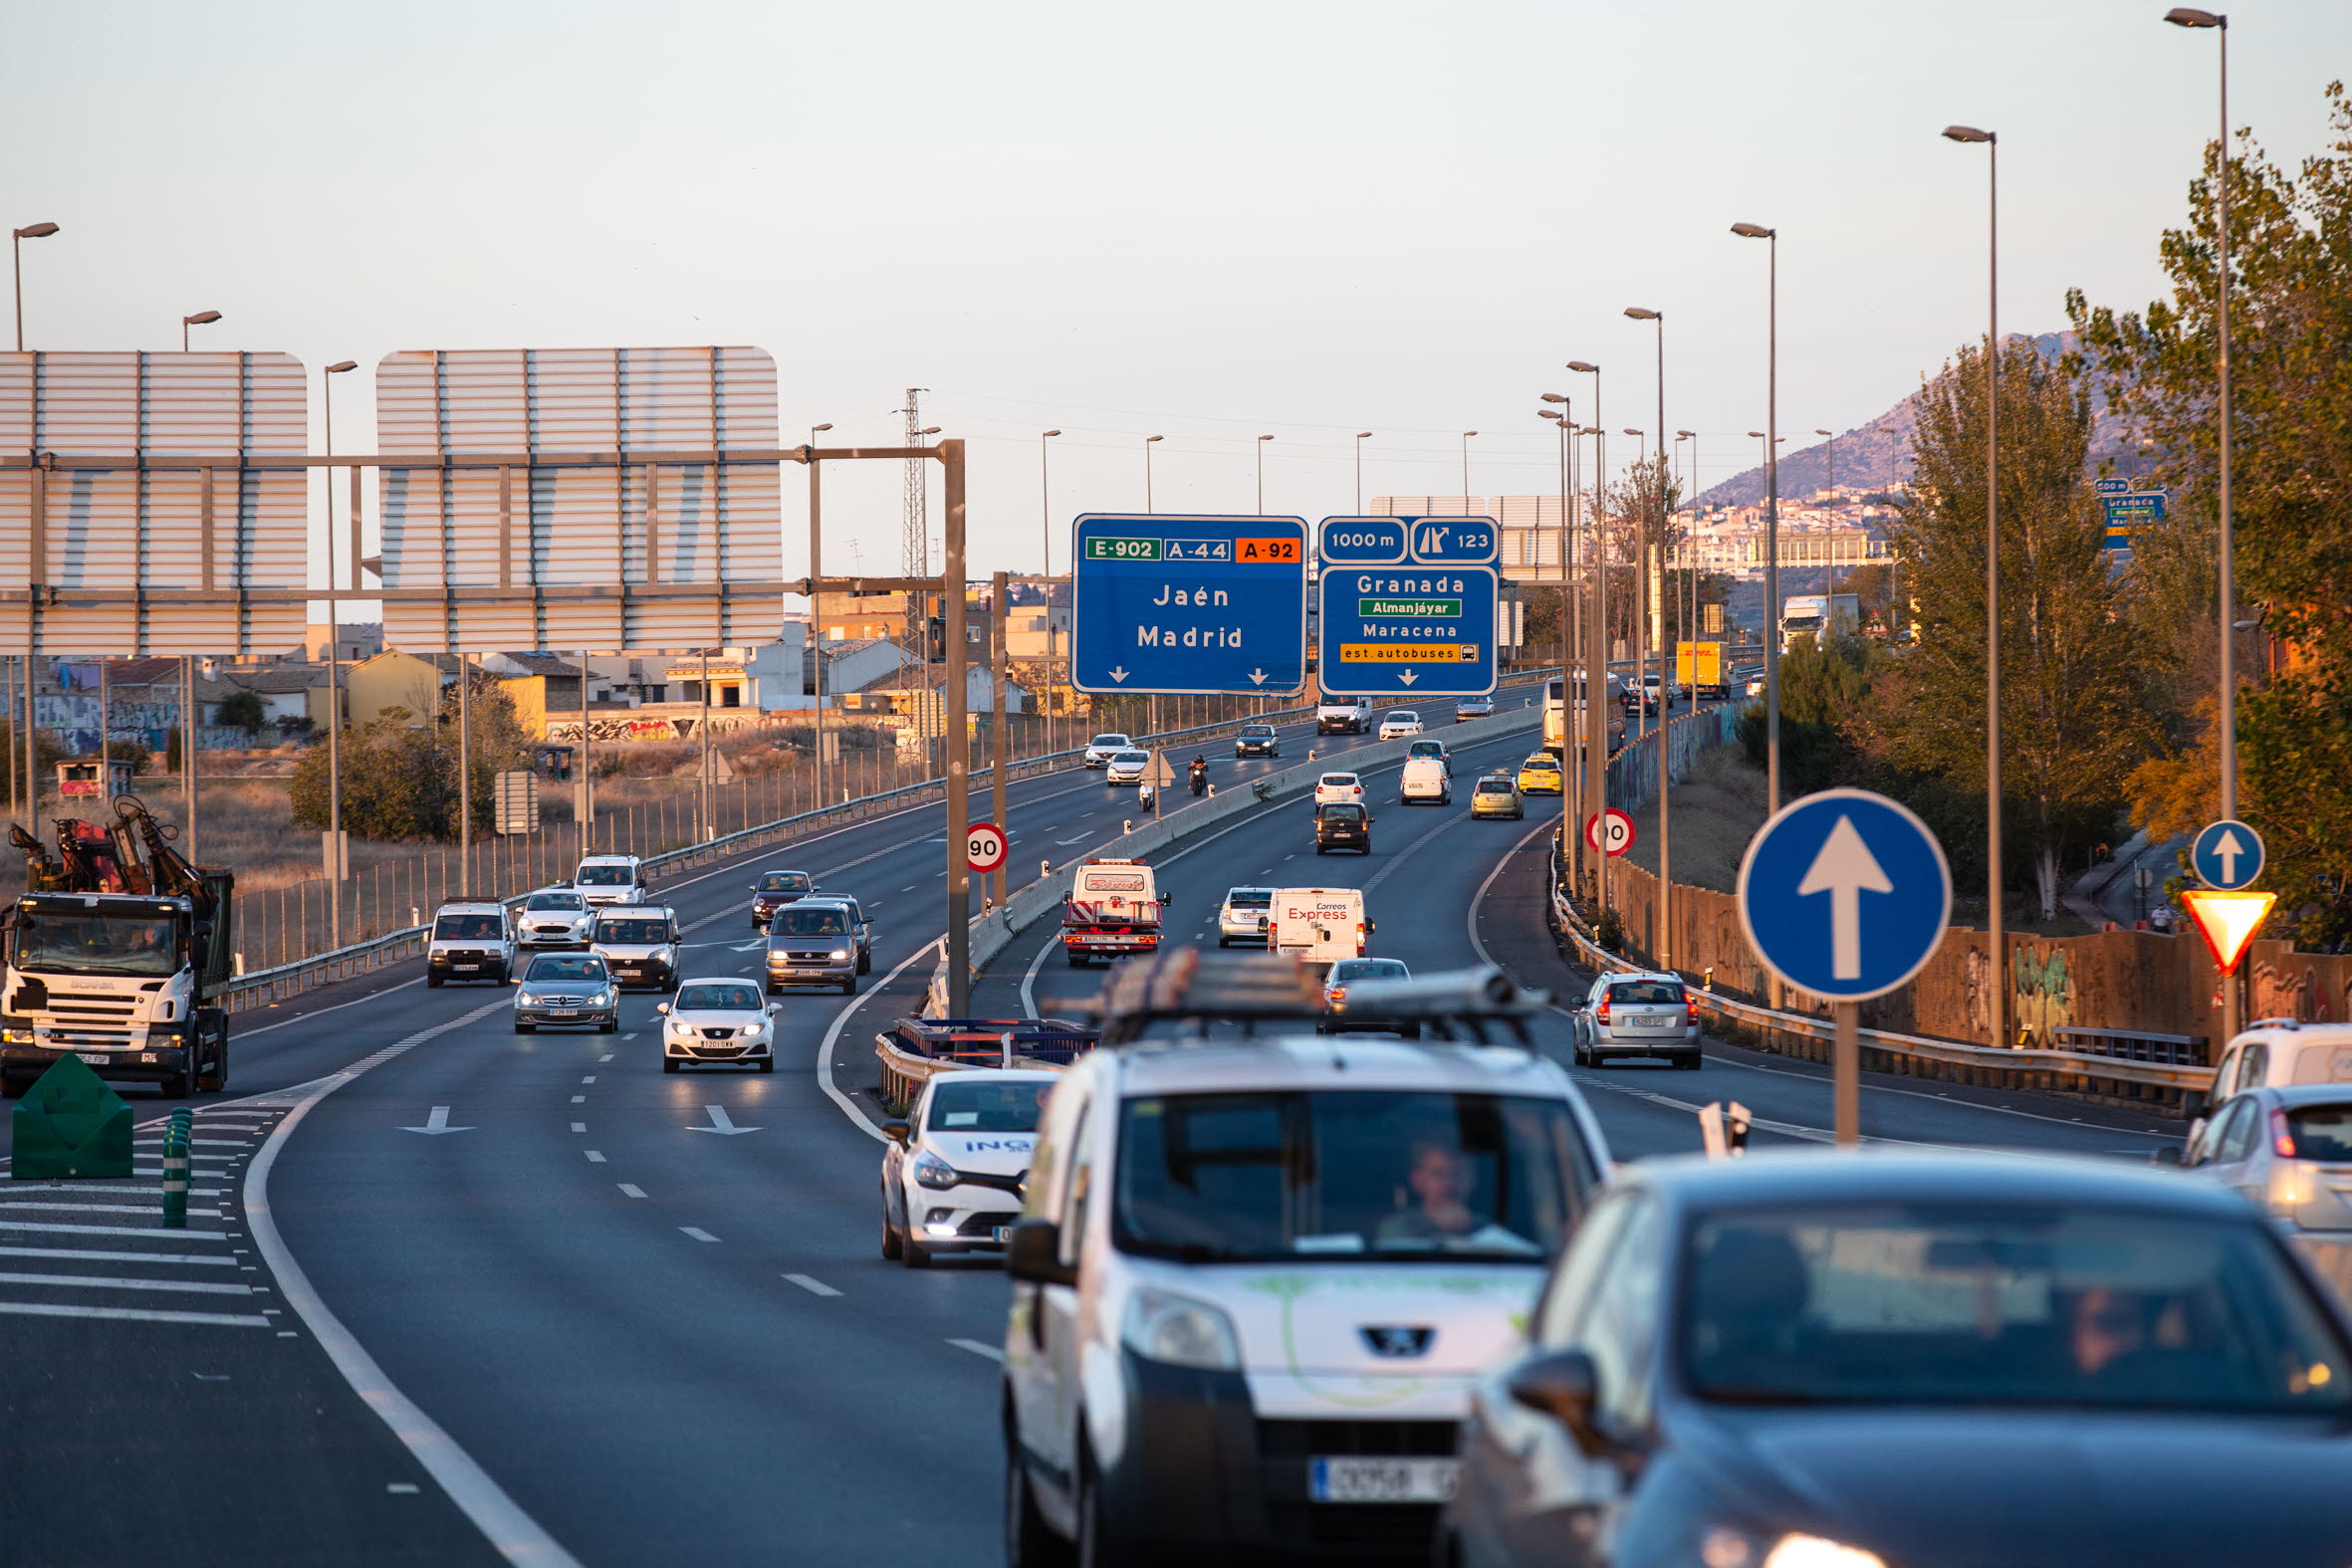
930, 430
1581, 367
1467, 434
1148, 440
1693, 434
1553, 397
819, 429
1043, 434
1757, 434
341, 365
1967, 134
2182, 16
36, 231
1546, 413
1266, 438
1629, 430
1640, 314
201, 319
1754, 231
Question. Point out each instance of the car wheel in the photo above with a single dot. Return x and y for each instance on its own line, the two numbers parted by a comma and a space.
850, 987
669, 1064
1029, 1541
767, 1064
865, 961
1690, 1063
913, 1253
526, 1028
891, 1244
13, 1085
217, 1080
179, 1085
611, 1025
432, 981
1077, 961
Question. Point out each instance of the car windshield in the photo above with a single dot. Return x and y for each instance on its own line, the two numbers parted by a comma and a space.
113, 944
638, 931
1493, 787
1540, 763
1640, 993
1959, 1303
1256, 732
1426, 749
784, 882
1373, 1174
981, 1105
718, 998
1132, 758
468, 928
794, 921
1340, 780
1343, 813
1369, 969
1108, 740
577, 965
602, 876
2321, 1132
1251, 898
568, 901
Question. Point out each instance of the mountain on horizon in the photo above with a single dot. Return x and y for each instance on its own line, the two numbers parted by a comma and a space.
1877, 454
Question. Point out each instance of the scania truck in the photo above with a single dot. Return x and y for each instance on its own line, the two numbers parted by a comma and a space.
116, 957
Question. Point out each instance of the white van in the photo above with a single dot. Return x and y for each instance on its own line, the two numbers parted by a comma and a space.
1343, 716
470, 942
612, 879
1426, 779
1318, 924
1255, 1282
2271, 1054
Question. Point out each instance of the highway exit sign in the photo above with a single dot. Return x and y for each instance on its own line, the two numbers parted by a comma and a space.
1408, 606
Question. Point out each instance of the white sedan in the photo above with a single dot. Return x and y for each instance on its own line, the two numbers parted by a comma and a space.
1102, 748
951, 1171
1400, 724
722, 1020
1127, 768
1340, 789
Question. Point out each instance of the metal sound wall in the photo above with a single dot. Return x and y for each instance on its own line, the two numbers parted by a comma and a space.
83, 511
538, 552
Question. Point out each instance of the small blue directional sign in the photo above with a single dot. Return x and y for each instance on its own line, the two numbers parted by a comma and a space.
2228, 855
2111, 487
1844, 894
1407, 606
1171, 606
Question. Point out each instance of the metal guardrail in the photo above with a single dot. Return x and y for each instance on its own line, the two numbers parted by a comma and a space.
2039, 1068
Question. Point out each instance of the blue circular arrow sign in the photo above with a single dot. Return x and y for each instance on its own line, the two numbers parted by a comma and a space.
2228, 855
1844, 894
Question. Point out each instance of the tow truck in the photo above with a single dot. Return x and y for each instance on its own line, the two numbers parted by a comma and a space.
116, 953
1113, 910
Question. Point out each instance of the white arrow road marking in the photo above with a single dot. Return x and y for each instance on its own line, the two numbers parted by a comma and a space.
1119, 674
753, 946
721, 1123
436, 1122
1843, 869
2226, 850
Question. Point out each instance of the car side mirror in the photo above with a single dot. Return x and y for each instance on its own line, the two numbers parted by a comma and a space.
1371, 926
897, 1132
1563, 1385
775, 1006
661, 1006
1033, 1254
2194, 1104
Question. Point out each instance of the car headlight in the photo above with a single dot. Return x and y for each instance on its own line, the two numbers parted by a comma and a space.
932, 1171
756, 1026
1180, 1332
18, 1037
603, 999
1723, 1547
523, 999
664, 955
840, 953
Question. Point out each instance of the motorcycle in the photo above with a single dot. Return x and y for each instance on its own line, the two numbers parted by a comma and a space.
1200, 779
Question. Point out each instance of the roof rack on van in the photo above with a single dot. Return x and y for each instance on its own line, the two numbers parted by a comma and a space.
1478, 1005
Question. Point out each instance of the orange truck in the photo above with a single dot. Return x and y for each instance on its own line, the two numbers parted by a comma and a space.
1113, 909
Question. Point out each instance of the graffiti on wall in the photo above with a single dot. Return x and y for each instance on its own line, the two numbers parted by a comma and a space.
2042, 990
615, 730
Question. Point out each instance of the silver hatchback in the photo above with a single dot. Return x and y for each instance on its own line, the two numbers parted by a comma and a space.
1637, 1016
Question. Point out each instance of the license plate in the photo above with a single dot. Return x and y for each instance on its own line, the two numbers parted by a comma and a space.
1380, 1480
1658, 1021
96, 1058
465, 969
1002, 1235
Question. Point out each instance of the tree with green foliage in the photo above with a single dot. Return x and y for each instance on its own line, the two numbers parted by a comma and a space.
243, 710
2074, 719
399, 779
2290, 366
1824, 687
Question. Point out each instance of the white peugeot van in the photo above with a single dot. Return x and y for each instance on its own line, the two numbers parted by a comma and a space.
1317, 926
1256, 1277
1426, 781
2271, 1053
613, 879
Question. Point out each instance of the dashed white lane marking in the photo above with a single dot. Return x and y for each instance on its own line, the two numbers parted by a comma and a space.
698, 1232
103, 1282
633, 1190
580, 1099
631, 1035
595, 1157
401, 1488
815, 1288
580, 1126
991, 1352
591, 1078
132, 1314
85, 1255
910, 887
607, 1056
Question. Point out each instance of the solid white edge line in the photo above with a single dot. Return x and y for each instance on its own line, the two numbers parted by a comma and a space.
825, 1048
511, 1532
991, 1352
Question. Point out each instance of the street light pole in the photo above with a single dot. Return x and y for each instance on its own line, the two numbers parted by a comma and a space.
1361, 436
1596, 656
1829, 620
1466, 435
335, 856
1148, 445
1771, 435
1260, 450
815, 604
201, 319
1993, 847
16, 267
1571, 848
1665, 685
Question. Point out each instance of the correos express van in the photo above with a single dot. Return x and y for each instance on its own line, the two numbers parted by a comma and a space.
1318, 924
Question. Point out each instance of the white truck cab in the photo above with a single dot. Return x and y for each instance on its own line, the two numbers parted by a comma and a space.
1319, 925
1256, 1278
1343, 716
613, 879
470, 942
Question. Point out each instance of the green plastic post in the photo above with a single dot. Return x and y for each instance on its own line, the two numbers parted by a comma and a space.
70, 1124
176, 1133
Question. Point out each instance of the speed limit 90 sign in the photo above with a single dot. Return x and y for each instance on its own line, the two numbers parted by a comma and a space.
984, 846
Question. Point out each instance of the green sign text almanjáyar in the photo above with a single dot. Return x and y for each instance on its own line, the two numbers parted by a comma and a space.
1426, 609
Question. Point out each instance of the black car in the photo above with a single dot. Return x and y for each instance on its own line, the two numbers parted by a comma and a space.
1343, 826
1257, 739
1915, 1361
774, 890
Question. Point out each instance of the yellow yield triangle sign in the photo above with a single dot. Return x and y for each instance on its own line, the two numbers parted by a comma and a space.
2228, 921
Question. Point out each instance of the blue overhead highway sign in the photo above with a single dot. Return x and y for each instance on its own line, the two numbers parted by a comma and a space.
2228, 855
1844, 894
1188, 605
1407, 607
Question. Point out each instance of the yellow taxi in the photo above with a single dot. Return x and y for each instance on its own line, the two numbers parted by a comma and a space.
1539, 774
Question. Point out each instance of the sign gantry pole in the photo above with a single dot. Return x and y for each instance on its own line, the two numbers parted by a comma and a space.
959, 744
1002, 757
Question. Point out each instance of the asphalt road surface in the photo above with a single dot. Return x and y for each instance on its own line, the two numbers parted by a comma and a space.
610, 1315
